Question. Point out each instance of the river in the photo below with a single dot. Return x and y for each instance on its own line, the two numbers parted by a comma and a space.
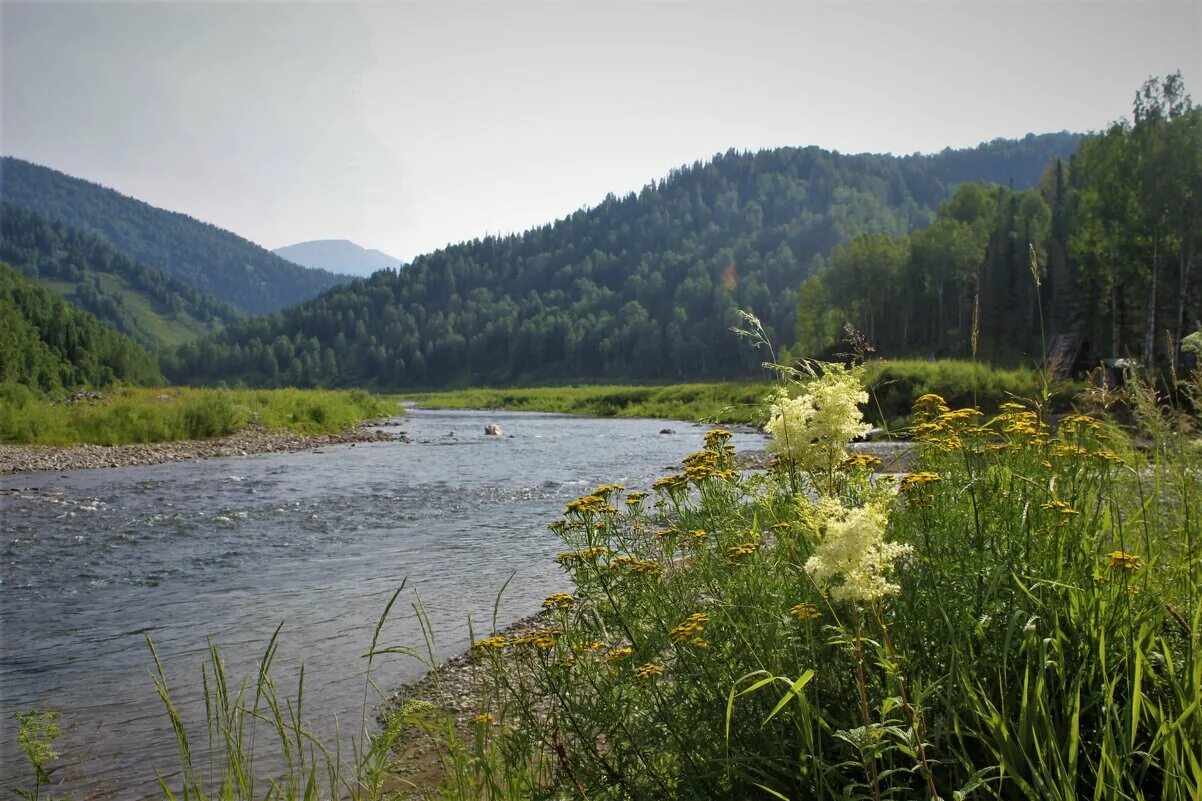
94, 561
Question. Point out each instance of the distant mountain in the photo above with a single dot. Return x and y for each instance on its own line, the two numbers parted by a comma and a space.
645, 286
204, 256
50, 346
339, 256
146, 304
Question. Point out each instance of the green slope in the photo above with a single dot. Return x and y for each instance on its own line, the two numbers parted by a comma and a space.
642, 287
204, 256
50, 346
143, 302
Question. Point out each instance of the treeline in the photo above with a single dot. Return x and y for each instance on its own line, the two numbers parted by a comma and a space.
50, 346
1105, 245
51, 251
203, 256
640, 287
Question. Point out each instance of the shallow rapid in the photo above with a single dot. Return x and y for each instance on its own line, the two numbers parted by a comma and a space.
95, 561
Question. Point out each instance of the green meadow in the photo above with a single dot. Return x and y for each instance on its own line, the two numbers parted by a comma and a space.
163, 414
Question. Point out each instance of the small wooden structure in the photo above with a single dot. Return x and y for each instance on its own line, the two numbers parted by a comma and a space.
1068, 356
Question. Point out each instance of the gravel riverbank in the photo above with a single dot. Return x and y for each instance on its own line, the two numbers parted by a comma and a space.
251, 440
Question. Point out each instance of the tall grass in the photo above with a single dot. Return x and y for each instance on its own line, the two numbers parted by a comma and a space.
129, 415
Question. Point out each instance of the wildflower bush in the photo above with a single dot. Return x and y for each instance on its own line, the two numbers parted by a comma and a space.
1018, 618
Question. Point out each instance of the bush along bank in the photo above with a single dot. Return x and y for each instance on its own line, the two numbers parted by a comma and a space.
1017, 618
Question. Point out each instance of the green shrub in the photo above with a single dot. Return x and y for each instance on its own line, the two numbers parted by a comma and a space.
212, 414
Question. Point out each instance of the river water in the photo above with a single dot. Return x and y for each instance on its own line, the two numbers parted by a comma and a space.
95, 561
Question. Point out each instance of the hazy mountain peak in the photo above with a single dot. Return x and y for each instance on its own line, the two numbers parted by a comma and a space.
338, 255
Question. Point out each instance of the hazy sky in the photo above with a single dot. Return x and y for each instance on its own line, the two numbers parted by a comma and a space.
405, 126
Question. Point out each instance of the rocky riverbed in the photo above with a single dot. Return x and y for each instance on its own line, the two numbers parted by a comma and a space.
251, 440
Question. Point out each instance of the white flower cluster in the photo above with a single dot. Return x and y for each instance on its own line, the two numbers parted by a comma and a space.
814, 430
854, 552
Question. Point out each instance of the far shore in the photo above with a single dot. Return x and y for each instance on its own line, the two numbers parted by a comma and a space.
248, 442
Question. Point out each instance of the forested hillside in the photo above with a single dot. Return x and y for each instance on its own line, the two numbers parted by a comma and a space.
1107, 246
50, 346
142, 302
645, 286
204, 256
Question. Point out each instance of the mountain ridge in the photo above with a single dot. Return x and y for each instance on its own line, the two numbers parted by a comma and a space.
211, 259
338, 255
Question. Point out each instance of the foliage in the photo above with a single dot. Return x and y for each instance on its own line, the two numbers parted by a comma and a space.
165, 414
211, 260
142, 302
1106, 245
642, 287
51, 346
1137, 227
1017, 619
37, 730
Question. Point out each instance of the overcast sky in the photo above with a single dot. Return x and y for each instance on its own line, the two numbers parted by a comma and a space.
406, 126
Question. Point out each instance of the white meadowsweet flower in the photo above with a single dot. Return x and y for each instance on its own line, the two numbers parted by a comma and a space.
853, 557
814, 429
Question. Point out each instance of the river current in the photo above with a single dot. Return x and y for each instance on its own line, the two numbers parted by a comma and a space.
96, 561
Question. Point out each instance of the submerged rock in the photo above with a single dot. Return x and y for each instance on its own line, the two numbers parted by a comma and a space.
493, 430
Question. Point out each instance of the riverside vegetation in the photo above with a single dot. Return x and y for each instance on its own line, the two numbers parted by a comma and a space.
894, 383
140, 414
1019, 617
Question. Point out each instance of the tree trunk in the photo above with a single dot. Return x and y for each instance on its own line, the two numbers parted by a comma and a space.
1187, 258
1114, 315
1150, 328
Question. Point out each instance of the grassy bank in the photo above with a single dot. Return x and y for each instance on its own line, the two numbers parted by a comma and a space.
136, 415
894, 385
731, 402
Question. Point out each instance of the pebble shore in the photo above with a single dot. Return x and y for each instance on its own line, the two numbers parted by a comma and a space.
251, 440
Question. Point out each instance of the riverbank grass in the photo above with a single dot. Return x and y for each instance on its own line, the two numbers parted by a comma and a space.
894, 385
140, 415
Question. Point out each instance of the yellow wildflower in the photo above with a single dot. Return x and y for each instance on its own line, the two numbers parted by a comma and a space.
635, 498
690, 628
928, 407
805, 612
742, 549
670, 483
1123, 560
916, 480
496, 642
648, 672
484, 719
560, 600
862, 461
717, 437
618, 654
